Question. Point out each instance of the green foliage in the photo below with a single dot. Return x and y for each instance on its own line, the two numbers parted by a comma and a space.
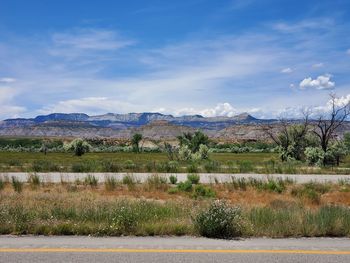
135, 142
203, 191
193, 141
193, 178
185, 186
173, 179
16, 184
110, 166
130, 181
219, 221
78, 146
192, 167
347, 141
314, 155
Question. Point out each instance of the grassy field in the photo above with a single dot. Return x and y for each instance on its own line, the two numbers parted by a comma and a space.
155, 162
268, 208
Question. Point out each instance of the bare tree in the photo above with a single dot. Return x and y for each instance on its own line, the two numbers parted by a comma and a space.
326, 126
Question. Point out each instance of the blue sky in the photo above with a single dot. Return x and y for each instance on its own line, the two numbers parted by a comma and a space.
269, 58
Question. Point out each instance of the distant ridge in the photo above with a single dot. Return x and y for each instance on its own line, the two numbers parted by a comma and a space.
120, 125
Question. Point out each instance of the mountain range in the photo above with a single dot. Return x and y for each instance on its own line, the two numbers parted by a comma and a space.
121, 125
151, 125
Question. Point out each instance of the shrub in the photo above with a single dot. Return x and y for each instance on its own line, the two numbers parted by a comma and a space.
219, 221
34, 180
185, 153
110, 166
192, 168
173, 179
110, 183
91, 180
314, 155
193, 178
44, 166
185, 186
78, 146
17, 185
203, 191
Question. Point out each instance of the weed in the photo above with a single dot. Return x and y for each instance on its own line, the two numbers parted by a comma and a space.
17, 185
91, 180
156, 182
34, 181
192, 168
110, 183
245, 166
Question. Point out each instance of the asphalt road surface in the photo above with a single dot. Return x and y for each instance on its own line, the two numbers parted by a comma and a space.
172, 249
205, 177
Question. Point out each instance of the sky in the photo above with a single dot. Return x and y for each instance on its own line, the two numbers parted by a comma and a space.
270, 58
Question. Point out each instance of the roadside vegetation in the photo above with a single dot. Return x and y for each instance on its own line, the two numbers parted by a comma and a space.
240, 208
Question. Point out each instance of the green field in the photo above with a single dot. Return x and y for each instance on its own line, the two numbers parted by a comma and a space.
154, 162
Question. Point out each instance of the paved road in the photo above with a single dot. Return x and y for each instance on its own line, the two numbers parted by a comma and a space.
205, 177
172, 249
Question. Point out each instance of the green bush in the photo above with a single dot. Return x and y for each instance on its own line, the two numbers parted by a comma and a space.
85, 166
78, 146
193, 178
173, 179
192, 168
203, 191
173, 190
219, 221
185, 186
17, 185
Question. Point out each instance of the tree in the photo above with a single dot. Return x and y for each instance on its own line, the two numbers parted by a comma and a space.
193, 141
135, 141
292, 138
347, 141
78, 146
326, 126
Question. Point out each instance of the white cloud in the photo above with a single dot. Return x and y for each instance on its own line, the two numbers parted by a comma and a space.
7, 109
7, 80
322, 82
80, 42
318, 65
89, 105
286, 70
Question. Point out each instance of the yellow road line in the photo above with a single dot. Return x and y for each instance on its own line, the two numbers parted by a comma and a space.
125, 250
